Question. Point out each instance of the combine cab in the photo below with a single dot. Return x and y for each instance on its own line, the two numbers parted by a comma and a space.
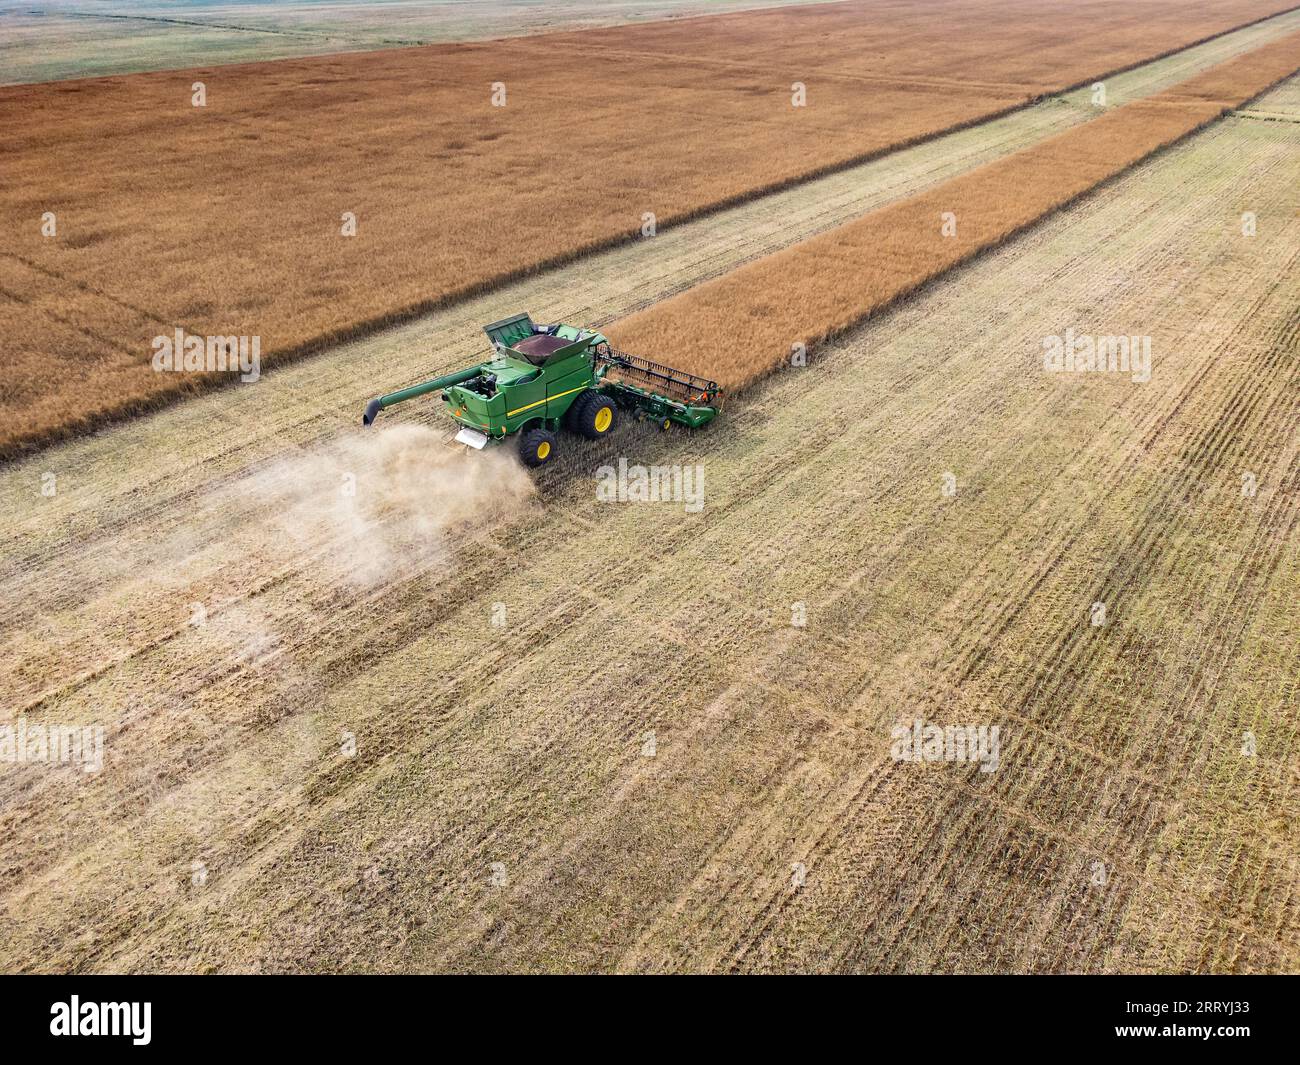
547, 377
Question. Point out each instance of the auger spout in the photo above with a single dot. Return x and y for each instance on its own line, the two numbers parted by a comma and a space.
376, 405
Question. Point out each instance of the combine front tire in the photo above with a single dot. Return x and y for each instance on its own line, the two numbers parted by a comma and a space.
536, 446
596, 415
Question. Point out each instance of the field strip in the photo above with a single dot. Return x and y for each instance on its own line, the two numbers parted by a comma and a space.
849, 273
264, 248
523, 745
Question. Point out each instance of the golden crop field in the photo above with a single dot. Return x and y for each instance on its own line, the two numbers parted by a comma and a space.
228, 219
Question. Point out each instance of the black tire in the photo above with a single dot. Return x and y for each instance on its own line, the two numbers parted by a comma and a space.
596, 417
575, 409
536, 446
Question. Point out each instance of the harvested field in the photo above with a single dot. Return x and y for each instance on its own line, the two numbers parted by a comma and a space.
845, 275
772, 742
94, 38
225, 220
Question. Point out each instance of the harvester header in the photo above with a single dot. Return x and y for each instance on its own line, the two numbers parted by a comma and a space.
546, 377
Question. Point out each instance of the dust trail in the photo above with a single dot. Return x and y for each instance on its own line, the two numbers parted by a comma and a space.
375, 504
347, 513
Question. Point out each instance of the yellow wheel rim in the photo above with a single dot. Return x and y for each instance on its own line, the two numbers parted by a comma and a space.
543, 449
604, 417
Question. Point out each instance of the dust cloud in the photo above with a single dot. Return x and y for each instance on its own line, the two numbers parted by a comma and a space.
381, 503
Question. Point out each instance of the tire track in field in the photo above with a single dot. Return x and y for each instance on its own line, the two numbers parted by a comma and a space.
1247, 565
1121, 466
1161, 523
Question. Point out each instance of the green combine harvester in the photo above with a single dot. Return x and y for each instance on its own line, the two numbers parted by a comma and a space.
547, 376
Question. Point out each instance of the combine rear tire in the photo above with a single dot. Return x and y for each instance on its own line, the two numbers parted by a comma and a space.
536, 446
596, 415
575, 409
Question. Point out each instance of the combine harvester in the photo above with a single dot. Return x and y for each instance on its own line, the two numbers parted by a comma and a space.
545, 376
